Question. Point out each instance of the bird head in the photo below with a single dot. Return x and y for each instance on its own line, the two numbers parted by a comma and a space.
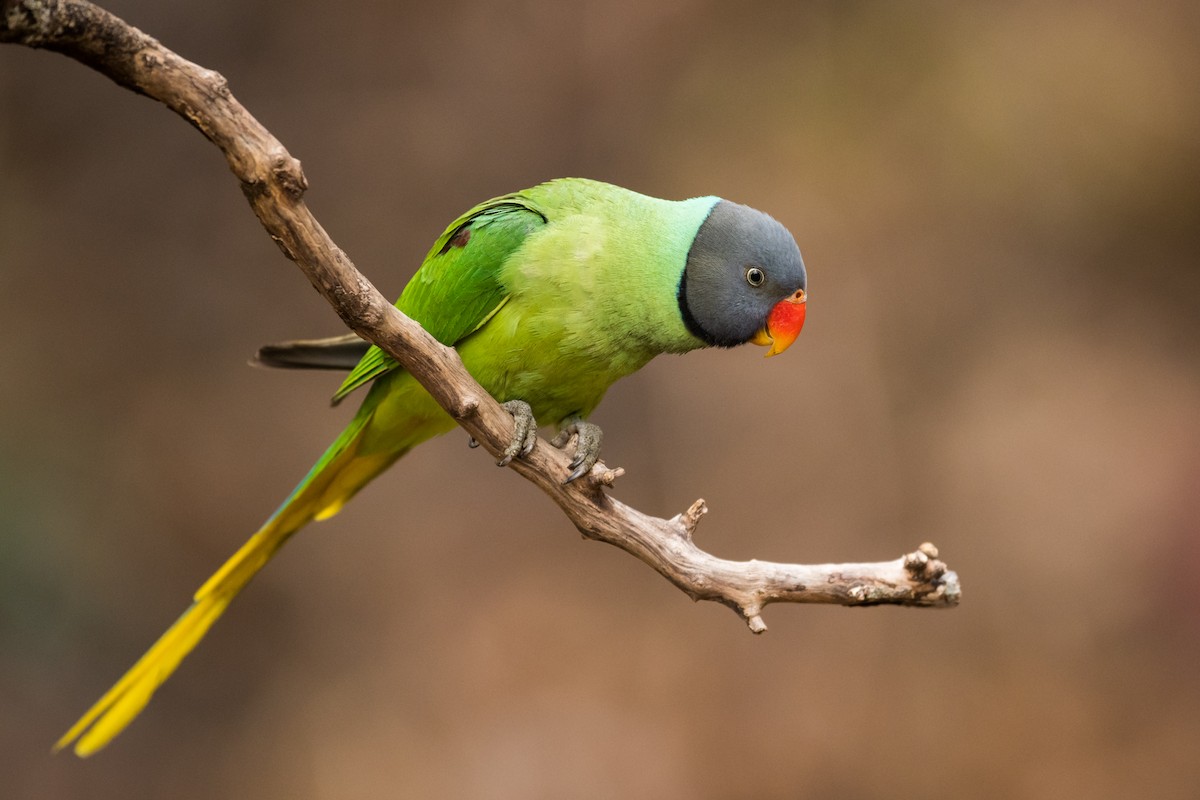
744, 281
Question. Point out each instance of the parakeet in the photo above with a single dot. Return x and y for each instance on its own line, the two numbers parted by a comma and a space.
549, 295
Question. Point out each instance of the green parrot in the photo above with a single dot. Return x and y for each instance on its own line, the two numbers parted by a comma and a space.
549, 295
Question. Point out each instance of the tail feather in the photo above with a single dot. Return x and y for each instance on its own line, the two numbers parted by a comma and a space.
336, 477
124, 701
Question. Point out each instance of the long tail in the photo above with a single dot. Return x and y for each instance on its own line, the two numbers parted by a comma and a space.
335, 478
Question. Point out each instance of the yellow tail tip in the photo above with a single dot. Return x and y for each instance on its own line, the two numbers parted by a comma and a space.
78, 749
121, 704
335, 478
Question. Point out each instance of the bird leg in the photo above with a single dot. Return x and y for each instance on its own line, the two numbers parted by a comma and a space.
524, 431
587, 445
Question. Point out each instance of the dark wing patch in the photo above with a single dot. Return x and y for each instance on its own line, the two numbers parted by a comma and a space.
459, 239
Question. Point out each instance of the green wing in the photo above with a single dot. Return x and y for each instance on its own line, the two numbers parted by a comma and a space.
457, 288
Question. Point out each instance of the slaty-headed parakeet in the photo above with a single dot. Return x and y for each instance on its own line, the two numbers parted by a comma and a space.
549, 295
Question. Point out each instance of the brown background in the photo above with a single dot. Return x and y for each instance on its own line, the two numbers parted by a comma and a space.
998, 208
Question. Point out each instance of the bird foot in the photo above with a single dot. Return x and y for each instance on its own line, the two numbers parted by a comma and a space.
524, 432
587, 446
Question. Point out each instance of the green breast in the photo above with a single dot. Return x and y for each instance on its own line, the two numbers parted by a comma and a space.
593, 297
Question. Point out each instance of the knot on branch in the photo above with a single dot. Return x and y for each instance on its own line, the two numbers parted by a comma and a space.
284, 172
465, 407
288, 176
218, 85
149, 60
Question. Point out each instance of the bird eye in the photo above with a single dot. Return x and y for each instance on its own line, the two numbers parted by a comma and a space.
755, 276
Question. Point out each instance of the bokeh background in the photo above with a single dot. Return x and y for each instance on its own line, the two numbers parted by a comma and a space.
998, 207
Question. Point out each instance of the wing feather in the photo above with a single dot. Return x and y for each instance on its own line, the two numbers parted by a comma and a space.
458, 289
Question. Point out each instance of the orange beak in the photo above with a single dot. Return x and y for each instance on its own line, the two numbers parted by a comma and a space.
783, 323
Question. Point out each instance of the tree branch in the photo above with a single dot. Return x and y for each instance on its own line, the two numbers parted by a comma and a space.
274, 185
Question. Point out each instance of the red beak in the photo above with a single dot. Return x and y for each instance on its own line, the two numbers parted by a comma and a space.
783, 323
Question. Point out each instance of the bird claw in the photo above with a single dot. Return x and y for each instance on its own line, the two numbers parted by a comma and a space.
524, 432
587, 446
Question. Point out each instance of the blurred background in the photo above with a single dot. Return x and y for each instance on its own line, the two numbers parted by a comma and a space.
998, 207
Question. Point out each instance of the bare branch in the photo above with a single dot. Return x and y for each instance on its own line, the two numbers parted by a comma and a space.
274, 185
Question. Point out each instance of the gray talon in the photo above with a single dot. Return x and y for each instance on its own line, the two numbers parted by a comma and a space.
587, 446
524, 431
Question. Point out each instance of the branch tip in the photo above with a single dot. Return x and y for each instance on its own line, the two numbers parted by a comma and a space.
951, 588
